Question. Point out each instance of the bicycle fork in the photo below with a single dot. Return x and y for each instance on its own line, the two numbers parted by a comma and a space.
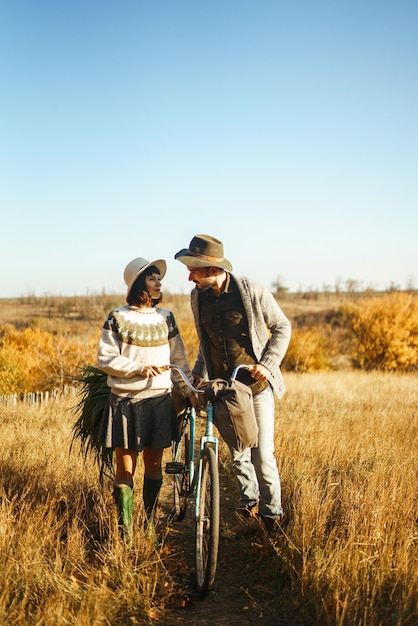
207, 439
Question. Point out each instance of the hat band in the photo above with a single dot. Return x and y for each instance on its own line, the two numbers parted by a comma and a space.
205, 257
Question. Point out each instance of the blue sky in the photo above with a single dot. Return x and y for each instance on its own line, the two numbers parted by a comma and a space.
288, 130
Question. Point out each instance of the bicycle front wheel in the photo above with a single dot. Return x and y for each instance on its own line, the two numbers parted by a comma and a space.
207, 523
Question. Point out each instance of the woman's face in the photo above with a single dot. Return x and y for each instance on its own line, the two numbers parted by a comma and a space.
153, 286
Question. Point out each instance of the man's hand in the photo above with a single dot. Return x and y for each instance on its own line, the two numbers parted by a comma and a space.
259, 372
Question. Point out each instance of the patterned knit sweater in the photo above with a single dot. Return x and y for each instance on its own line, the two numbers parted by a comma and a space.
133, 337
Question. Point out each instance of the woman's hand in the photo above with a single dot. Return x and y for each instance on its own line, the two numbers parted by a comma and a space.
149, 371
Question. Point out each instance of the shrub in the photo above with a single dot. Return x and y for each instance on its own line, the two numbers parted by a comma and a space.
37, 360
385, 332
308, 351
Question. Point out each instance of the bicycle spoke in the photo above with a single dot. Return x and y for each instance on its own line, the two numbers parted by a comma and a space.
178, 467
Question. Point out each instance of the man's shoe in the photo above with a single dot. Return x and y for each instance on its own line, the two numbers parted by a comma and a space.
245, 518
250, 510
274, 524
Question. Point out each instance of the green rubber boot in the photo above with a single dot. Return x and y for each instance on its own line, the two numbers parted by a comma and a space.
124, 499
150, 493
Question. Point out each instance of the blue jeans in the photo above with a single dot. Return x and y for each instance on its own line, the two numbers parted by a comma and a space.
256, 468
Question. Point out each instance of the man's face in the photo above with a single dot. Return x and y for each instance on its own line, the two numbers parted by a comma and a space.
202, 277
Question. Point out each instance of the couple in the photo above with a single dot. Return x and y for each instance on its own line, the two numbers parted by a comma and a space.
237, 321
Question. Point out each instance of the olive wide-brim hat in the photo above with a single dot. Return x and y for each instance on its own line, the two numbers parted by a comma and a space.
204, 251
139, 265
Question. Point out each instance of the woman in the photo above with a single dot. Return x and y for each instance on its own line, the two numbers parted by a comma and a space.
137, 342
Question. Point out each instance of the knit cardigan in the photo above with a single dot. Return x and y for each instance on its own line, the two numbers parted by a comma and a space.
269, 331
133, 337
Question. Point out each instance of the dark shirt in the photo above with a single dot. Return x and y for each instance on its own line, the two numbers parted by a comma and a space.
225, 324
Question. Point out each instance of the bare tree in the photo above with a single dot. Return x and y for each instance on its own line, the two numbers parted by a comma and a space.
279, 286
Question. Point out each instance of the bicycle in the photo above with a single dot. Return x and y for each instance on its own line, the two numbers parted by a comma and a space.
196, 476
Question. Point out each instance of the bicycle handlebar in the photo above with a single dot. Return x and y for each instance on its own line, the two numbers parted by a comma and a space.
184, 377
242, 366
189, 384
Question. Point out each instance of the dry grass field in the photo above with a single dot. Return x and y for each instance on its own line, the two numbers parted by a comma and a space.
347, 450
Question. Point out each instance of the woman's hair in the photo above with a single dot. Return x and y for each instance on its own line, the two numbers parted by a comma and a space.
138, 294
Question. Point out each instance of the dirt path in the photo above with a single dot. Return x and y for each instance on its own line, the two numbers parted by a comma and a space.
247, 583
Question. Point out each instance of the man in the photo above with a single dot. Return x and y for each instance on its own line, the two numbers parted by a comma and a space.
239, 321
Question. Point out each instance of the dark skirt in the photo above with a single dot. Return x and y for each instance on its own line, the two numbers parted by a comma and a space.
137, 424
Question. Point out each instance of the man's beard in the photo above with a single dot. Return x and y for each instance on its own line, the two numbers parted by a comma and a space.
205, 286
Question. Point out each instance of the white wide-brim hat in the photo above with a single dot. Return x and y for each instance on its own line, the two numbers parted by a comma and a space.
139, 265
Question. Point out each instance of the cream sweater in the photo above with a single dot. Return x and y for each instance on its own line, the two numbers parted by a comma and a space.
133, 337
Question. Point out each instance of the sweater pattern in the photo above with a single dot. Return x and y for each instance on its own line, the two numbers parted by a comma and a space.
141, 334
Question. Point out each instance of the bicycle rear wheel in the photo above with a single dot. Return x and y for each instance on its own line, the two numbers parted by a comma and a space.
179, 467
207, 523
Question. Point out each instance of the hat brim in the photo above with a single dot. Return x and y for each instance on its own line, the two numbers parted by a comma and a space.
160, 264
191, 261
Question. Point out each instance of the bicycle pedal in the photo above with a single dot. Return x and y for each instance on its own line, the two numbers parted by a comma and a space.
174, 467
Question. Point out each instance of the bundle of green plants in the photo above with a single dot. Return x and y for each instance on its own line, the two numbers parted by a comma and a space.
94, 393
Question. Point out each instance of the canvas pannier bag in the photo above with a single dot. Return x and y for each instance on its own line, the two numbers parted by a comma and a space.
233, 412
